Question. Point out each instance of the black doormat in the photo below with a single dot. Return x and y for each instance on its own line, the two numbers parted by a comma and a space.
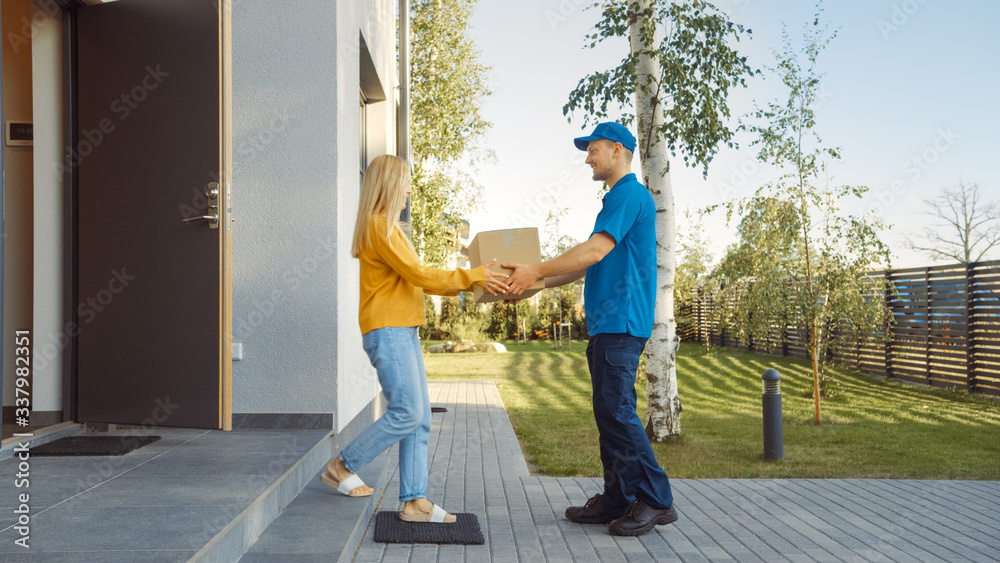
92, 445
464, 531
438, 409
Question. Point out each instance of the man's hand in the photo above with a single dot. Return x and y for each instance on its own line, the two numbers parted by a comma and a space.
576, 259
524, 276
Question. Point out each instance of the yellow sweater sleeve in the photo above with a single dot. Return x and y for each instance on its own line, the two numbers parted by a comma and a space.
443, 293
399, 255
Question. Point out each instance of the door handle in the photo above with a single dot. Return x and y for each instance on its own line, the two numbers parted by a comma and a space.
212, 193
213, 220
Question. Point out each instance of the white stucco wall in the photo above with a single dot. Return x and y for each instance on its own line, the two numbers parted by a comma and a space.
51, 337
295, 194
376, 22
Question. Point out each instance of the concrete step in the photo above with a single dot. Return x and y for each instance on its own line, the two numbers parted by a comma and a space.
322, 524
40, 436
230, 543
193, 495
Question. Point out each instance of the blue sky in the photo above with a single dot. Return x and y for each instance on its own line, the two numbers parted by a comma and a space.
911, 99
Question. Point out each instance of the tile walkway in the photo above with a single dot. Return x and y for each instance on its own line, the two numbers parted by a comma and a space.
208, 496
477, 466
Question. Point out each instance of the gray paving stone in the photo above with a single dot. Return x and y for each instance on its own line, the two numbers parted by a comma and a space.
367, 555
111, 509
115, 556
477, 466
105, 528
657, 548
269, 558
901, 531
609, 554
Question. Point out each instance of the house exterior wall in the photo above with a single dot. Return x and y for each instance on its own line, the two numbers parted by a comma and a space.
296, 154
375, 19
18, 269
295, 186
51, 336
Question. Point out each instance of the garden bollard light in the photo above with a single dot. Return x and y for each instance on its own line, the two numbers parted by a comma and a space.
771, 400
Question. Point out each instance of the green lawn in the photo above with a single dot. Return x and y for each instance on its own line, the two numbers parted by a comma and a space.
872, 428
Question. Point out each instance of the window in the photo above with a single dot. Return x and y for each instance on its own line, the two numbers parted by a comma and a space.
363, 137
371, 92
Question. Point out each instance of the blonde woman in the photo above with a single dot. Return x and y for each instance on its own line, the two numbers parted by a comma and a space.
393, 284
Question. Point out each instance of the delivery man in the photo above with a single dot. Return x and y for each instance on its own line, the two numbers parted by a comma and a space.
619, 261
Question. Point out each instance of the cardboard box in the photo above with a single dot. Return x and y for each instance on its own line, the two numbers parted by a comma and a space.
519, 246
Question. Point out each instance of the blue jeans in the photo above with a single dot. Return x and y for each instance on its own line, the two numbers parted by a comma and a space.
395, 352
630, 468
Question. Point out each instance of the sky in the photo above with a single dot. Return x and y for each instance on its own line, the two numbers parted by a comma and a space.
909, 96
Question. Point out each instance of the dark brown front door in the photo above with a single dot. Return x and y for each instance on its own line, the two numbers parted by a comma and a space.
153, 295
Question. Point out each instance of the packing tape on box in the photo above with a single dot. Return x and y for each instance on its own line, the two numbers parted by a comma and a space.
508, 239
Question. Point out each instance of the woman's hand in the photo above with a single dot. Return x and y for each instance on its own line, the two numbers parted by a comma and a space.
494, 283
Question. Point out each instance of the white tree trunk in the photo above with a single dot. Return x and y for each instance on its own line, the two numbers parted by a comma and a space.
663, 404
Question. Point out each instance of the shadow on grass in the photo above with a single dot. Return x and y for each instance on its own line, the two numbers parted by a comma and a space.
873, 428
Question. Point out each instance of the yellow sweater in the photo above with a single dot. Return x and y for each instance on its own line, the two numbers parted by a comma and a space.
393, 282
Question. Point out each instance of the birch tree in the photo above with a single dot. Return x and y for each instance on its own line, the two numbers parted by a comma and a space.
674, 85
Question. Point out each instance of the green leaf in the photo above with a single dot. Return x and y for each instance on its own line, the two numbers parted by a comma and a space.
448, 85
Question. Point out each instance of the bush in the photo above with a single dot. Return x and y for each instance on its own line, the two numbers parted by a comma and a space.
430, 329
449, 309
580, 331
461, 319
500, 322
465, 327
505, 321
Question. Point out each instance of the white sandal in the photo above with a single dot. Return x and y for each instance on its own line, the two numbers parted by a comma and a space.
436, 515
345, 487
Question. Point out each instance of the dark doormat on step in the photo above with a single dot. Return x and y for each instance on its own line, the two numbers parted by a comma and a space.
92, 445
464, 531
438, 409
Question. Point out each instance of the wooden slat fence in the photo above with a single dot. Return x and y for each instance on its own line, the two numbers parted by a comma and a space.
945, 331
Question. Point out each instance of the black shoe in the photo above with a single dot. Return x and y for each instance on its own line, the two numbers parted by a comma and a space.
640, 518
590, 513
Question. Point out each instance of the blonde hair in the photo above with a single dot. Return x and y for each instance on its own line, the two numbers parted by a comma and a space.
383, 191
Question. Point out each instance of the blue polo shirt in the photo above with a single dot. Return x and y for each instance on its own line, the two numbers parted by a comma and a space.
620, 290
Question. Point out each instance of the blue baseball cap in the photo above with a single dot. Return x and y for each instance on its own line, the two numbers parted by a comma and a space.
610, 130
